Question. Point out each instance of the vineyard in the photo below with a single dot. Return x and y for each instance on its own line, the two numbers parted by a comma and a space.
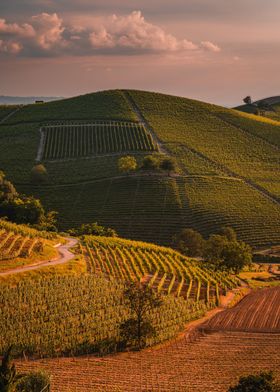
156, 208
163, 269
21, 243
228, 165
210, 362
78, 315
202, 128
72, 141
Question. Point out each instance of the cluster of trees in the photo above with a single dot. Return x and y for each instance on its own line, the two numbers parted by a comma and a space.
150, 163
11, 381
223, 251
93, 229
23, 209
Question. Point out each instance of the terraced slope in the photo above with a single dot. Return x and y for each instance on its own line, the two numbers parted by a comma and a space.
228, 165
161, 268
21, 245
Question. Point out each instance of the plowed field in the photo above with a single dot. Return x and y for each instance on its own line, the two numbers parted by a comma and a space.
258, 312
211, 363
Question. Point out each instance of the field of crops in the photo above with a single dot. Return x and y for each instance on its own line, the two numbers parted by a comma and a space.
201, 127
155, 208
77, 315
264, 315
73, 141
213, 363
161, 268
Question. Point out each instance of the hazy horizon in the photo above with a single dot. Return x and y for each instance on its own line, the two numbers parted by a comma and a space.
202, 49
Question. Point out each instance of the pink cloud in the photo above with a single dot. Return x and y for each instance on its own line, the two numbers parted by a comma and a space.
48, 30
47, 34
207, 45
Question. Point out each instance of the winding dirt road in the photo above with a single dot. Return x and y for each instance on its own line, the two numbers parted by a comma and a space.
65, 255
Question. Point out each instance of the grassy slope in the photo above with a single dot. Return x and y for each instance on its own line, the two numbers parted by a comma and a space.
201, 127
105, 105
205, 143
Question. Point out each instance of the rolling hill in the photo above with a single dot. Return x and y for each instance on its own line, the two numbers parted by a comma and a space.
228, 164
273, 102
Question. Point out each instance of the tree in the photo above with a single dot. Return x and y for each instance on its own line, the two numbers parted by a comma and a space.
8, 374
141, 300
189, 242
225, 252
263, 382
229, 233
19, 208
127, 164
247, 100
150, 162
34, 382
168, 164
39, 174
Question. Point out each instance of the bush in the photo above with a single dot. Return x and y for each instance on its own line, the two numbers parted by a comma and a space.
150, 162
34, 382
39, 174
127, 164
189, 242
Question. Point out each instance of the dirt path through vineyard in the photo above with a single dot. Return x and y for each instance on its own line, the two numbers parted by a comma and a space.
65, 255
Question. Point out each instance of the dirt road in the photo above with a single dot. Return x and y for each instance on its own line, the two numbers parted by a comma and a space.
65, 255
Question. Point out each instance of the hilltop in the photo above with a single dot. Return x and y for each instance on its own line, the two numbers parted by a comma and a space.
228, 164
273, 111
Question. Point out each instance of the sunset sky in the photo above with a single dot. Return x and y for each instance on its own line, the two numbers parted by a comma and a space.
214, 50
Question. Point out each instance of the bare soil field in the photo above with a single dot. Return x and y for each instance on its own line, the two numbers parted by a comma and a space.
257, 312
212, 362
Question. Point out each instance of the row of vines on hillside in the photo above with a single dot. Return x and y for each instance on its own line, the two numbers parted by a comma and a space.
82, 140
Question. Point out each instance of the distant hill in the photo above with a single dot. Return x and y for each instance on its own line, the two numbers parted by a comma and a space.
273, 102
228, 164
8, 100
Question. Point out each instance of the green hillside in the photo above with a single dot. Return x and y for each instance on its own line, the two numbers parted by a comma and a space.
228, 164
76, 326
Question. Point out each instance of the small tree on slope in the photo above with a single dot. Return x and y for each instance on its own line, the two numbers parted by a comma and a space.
141, 300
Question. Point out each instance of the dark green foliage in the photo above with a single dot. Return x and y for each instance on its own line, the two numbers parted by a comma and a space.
168, 164
8, 374
23, 209
93, 229
189, 242
141, 301
34, 382
225, 252
262, 382
150, 162
39, 174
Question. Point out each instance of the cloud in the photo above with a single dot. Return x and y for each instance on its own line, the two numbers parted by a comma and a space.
47, 35
207, 45
48, 29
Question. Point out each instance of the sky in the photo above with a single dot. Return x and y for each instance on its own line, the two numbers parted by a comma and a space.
213, 50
